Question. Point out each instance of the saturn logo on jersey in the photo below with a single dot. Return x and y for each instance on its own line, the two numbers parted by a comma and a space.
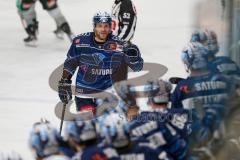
83, 68
98, 57
101, 72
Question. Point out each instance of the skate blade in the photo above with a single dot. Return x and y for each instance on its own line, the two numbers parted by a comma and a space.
31, 44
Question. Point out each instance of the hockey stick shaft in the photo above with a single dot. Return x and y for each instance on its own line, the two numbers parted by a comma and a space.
62, 117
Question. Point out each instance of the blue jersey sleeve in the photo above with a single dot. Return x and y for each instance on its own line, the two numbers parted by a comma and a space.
215, 112
73, 56
224, 65
176, 97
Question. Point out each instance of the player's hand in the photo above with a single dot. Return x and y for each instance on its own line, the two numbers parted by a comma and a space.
64, 90
132, 57
132, 54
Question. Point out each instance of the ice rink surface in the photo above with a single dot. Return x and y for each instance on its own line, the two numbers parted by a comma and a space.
163, 29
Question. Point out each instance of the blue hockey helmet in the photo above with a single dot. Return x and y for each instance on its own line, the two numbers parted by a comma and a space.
81, 131
194, 56
44, 139
114, 129
208, 38
102, 17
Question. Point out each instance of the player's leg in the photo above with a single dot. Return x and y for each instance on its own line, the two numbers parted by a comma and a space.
27, 13
54, 11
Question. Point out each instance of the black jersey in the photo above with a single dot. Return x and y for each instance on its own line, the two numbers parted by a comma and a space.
124, 19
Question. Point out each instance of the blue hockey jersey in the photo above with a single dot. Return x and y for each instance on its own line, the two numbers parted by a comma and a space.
98, 64
200, 91
165, 130
224, 65
142, 151
97, 152
205, 97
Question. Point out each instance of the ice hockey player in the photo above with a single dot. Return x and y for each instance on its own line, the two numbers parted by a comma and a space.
116, 132
124, 21
162, 127
27, 13
201, 82
230, 70
83, 136
217, 64
45, 142
98, 55
203, 93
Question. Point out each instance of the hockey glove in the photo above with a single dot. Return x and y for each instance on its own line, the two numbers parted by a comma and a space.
64, 90
133, 57
132, 54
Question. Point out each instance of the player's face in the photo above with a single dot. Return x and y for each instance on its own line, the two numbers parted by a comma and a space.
102, 31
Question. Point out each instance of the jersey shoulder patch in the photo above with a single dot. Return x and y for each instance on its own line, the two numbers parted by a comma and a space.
83, 38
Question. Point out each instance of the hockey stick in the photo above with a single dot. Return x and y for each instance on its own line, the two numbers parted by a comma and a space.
175, 80
62, 117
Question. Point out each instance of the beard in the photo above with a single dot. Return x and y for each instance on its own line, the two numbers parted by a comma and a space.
101, 36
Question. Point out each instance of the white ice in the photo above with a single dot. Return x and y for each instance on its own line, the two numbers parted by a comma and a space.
163, 29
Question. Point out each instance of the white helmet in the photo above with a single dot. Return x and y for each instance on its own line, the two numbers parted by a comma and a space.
194, 56
115, 129
44, 139
208, 38
81, 130
158, 91
102, 17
